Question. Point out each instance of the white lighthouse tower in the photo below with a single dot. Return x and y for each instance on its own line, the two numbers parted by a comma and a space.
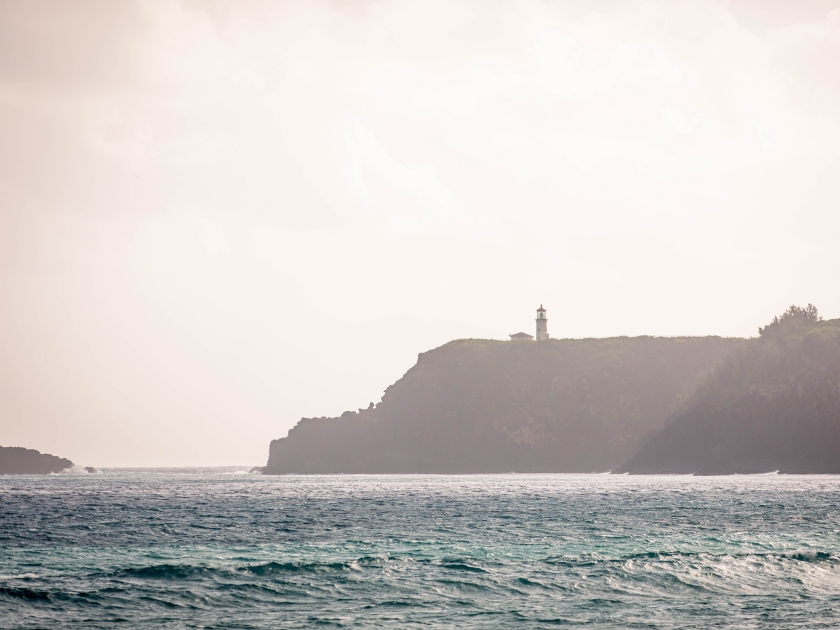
542, 324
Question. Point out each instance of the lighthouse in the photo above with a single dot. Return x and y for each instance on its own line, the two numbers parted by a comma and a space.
542, 324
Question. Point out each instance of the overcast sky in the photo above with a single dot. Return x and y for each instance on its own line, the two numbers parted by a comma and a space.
217, 217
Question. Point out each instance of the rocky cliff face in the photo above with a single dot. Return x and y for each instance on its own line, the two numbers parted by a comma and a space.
773, 405
24, 461
475, 406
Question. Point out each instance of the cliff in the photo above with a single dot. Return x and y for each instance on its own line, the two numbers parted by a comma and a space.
477, 406
772, 405
25, 461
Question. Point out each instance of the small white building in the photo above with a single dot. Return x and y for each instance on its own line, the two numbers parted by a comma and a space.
521, 337
542, 324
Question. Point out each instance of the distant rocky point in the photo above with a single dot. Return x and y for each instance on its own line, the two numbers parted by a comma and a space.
772, 405
25, 461
480, 406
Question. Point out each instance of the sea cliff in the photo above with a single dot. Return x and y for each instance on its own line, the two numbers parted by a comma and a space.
479, 406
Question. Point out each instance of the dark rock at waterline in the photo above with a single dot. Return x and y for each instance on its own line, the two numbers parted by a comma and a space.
15, 460
479, 406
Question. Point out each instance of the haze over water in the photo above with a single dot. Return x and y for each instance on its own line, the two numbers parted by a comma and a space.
213, 548
218, 217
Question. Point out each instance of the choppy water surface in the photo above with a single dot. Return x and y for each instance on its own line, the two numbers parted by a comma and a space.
210, 549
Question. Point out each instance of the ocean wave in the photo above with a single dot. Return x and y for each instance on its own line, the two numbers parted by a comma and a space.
681, 556
461, 566
167, 572
25, 593
271, 568
264, 569
810, 556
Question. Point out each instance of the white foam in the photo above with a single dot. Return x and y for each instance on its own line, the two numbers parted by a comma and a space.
79, 470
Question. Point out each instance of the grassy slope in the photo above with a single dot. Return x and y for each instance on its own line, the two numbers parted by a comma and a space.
773, 404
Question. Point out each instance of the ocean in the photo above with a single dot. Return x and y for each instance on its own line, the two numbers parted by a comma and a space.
218, 548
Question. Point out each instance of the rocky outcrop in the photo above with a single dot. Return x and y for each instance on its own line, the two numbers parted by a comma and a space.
25, 461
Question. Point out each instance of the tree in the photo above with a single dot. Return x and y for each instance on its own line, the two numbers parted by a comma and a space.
793, 317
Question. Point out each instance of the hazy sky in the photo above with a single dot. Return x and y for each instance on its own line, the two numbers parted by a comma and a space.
218, 217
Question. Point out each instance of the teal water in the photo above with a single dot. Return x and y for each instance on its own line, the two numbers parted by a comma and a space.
212, 548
